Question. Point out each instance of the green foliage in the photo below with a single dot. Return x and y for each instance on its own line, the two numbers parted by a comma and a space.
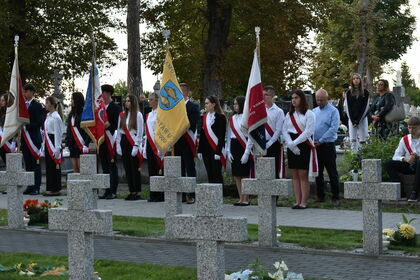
55, 34
375, 149
285, 31
120, 88
410, 86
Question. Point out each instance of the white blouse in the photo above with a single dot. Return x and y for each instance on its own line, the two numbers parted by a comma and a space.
137, 133
237, 120
54, 125
305, 122
275, 119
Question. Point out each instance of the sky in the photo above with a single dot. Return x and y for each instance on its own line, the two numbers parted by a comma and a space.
119, 71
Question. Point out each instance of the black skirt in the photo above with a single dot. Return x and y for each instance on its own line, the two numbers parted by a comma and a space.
299, 161
239, 169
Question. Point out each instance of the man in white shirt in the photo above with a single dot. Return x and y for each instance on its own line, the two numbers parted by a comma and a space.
406, 158
275, 119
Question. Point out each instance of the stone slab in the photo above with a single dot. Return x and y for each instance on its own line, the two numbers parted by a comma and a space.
363, 190
172, 184
209, 201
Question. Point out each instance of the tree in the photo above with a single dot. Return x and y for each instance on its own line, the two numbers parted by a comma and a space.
133, 41
409, 84
285, 28
55, 34
390, 27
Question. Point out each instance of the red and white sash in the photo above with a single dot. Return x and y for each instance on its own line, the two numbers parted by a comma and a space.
313, 161
150, 134
36, 153
50, 147
191, 140
407, 144
77, 136
282, 169
110, 143
212, 139
8, 146
130, 139
236, 128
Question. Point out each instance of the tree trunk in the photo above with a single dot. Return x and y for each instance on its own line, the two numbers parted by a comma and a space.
134, 82
363, 40
219, 15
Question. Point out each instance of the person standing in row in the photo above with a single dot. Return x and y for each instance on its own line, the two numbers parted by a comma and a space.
129, 143
298, 129
76, 138
357, 109
6, 100
238, 149
32, 139
150, 152
186, 147
326, 127
107, 148
273, 126
53, 133
212, 140
381, 105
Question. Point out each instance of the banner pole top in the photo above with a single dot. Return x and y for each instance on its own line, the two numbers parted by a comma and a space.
166, 33
16, 41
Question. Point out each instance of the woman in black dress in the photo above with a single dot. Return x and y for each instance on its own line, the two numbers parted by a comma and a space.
212, 140
381, 105
238, 149
76, 137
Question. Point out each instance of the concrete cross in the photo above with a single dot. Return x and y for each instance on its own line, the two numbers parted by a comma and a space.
372, 191
81, 221
57, 78
173, 185
15, 178
211, 230
88, 172
267, 188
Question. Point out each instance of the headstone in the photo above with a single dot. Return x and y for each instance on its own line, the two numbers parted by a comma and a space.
57, 78
88, 169
173, 185
372, 191
211, 230
15, 178
267, 187
81, 221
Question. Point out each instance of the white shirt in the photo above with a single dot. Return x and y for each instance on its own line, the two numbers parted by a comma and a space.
237, 120
402, 152
137, 133
275, 119
54, 125
28, 102
305, 122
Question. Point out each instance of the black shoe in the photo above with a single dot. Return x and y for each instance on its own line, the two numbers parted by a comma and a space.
245, 204
28, 190
413, 197
136, 197
296, 206
129, 197
35, 192
111, 196
237, 204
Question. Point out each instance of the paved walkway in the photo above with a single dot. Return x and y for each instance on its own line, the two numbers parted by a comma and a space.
311, 263
313, 218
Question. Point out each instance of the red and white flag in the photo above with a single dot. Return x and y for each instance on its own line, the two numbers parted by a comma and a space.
17, 114
255, 115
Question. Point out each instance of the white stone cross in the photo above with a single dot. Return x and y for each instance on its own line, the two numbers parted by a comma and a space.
173, 185
81, 221
372, 191
88, 172
15, 178
267, 187
211, 230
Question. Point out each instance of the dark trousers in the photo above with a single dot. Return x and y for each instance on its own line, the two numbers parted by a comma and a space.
109, 167
183, 150
3, 154
32, 165
213, 168
131, 166
52, 173
394, 167
153, 171
326, 158
274, 151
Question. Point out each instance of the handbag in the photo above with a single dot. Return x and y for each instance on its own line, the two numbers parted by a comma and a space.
396, 114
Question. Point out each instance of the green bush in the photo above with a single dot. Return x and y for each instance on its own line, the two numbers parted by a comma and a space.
375, 149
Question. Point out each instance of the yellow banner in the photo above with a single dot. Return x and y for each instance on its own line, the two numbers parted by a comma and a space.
172, 120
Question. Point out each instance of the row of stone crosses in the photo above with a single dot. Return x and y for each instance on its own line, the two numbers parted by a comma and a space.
207, 227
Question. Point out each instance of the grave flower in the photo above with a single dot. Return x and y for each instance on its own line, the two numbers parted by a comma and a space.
408, 231
405, 234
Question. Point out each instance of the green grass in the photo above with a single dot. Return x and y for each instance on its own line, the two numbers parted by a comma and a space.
108, 270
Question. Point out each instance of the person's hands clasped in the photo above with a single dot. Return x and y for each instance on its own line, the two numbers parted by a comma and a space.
134, 151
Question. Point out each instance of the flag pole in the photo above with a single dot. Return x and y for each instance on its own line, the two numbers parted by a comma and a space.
257, 35
17, 95
166, 33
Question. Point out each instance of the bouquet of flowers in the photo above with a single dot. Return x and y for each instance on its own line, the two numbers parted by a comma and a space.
404, 234
38, 211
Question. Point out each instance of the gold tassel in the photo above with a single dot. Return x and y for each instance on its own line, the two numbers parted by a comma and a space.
160, 171
57, 166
